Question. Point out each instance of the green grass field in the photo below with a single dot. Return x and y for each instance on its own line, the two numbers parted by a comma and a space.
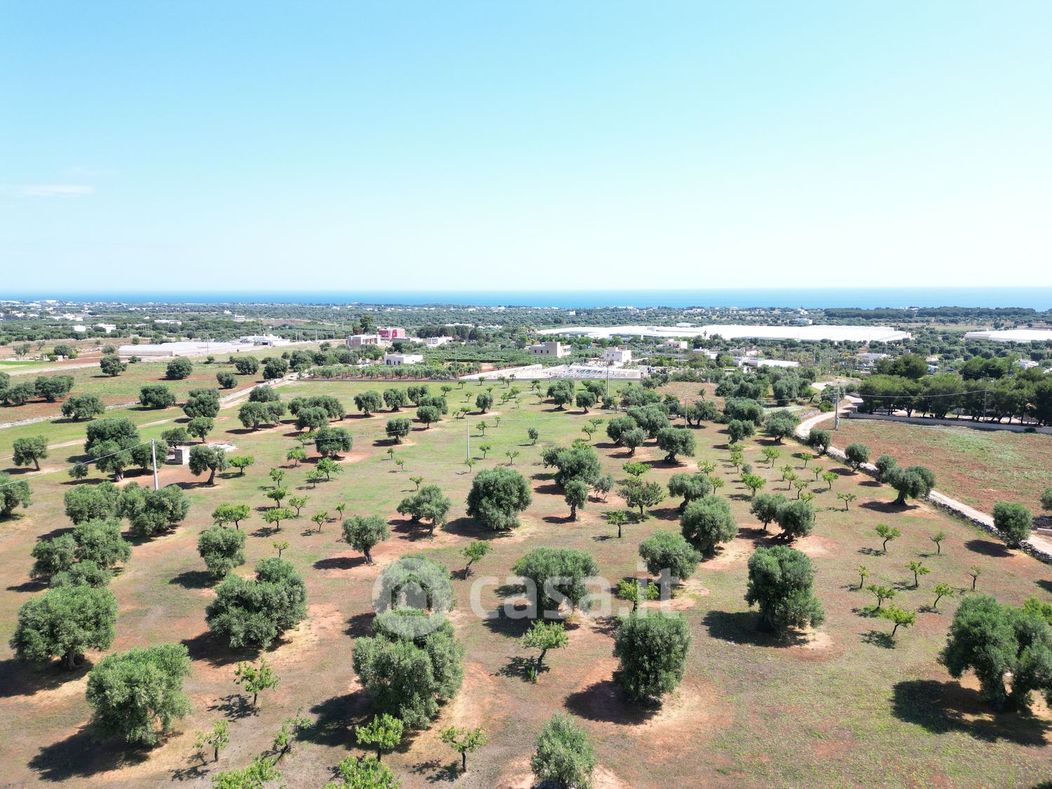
838, 707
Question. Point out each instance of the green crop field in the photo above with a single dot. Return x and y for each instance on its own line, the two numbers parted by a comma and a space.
841, 705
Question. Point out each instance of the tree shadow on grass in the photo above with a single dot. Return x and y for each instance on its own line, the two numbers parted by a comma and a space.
469, 527
335, 718
942, 707
81, 755
209, 647
604, 701
878, 638
32, 585
888, 507
193, 771
743, 627
436, 771
192, 579
1045, 584
865, 551
23, 679
360, 625
988, 548
414, 532
233, 707
339, 563
519, 666
501, 624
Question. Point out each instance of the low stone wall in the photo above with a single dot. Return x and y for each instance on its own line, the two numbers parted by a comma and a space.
969, 423
950, 505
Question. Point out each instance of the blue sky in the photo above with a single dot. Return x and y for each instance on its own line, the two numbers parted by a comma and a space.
536, 145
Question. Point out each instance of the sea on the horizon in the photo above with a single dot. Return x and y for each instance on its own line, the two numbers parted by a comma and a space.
1038, 298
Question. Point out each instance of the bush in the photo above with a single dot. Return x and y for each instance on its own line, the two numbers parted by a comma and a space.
222, 549
1013, 521
564, 755
856, 455
178, 369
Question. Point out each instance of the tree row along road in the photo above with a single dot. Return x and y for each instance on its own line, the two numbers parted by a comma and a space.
1039, 542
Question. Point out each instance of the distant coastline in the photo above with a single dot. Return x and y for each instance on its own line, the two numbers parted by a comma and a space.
1037, 298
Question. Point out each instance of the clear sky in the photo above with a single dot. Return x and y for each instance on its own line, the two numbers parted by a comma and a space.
188, 145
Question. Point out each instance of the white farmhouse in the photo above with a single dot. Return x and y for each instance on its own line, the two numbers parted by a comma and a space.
551, 348
617, 356
398, 359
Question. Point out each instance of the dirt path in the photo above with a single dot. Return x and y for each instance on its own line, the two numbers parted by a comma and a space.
1040, 544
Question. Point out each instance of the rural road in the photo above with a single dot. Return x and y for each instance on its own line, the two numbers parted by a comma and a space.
1040, 542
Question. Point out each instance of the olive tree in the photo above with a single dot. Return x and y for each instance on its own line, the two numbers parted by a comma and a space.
365, 533
675, 441
254, 612
178, 369
13, 493
668, 552
82, 407
156, 396
781, 583
564, 754
997, 641
65, 622
222, 549
409, 672
137, 695
497, 497
29, 451
210, 459
652, 651
557, 575
796, 518
914, 482
856, 455
708, 522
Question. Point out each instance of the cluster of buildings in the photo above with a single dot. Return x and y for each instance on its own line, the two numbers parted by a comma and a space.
385, 336
162, 350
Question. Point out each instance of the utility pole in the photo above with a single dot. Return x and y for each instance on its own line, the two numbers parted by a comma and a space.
836, 406
153, 458
467, 435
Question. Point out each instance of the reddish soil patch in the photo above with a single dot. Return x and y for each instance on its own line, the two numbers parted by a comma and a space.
690, 712
730, 553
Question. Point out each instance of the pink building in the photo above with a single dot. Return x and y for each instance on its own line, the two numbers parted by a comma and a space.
391, 333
